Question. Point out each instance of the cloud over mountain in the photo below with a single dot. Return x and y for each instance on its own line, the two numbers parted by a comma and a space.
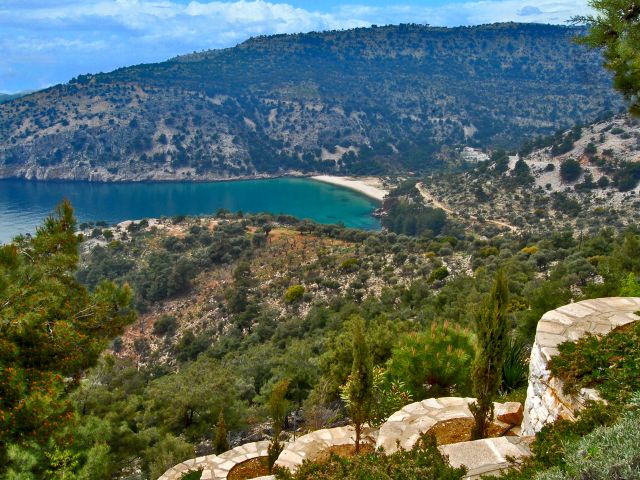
45, 43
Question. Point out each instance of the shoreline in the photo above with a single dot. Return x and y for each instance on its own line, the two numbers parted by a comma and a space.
369, 186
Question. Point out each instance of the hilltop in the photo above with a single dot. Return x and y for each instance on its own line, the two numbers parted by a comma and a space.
375, 100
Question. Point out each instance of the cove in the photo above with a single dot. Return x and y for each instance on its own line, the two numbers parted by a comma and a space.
24, 204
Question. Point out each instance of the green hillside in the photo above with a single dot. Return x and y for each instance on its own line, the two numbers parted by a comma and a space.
359, 101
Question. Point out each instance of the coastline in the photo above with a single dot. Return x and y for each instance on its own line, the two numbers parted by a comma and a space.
370, 186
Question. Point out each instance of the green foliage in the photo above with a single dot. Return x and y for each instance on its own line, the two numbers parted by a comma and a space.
615, 29
389, 396
515, 370
294, 294
439, 274
434, 363
220, 442
278, 408
190, 401
554, 441
630, 287
169, 451
52, 330
165, 326
413, 218
423, 462
570, 170
608, 452
357, 393
193, 475
492, 337
610, 363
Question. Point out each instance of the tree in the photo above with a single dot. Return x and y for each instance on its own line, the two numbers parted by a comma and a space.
358, 391
51, 330
616, 29
220, 443
570, 170
492, 338
278, 407
433, 363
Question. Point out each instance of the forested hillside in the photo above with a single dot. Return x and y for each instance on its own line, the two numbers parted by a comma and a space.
230, 306
359, 101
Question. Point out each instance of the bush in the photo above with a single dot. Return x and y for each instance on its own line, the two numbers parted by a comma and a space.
515, 370
294, 294
165, 326
610, 363
423, 462
439, 274
606, 453
570, 170
434, 363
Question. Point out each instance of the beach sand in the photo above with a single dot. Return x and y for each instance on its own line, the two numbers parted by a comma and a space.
370, 186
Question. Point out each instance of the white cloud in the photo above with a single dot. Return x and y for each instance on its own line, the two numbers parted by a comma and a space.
79, 36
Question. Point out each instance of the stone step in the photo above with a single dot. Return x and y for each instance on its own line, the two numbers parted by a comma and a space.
487, 456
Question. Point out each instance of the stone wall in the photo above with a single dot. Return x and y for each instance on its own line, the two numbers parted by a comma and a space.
546, 401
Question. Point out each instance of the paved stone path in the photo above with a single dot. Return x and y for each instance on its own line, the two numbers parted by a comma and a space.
217, 467
488, 456
545, 399
311, 444
405, 427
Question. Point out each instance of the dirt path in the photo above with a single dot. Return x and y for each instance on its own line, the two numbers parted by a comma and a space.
430, 199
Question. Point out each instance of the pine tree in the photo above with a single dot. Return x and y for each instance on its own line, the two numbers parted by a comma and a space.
358, 391
278, 407
220, 443
492, 335
52, 330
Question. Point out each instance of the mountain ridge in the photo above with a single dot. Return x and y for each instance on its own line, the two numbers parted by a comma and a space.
376, 100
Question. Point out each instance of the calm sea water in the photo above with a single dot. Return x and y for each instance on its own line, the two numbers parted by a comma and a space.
24, 204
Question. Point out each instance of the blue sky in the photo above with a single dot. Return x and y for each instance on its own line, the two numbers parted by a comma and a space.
44, 42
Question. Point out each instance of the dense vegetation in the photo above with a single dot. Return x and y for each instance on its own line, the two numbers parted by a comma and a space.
51, 330
358, 101
224, 340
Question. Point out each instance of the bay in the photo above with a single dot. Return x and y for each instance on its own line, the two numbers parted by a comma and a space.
24, 204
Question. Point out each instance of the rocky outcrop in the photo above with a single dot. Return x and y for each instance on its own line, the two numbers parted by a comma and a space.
546, 400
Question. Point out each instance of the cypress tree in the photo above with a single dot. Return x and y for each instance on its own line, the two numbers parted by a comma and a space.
492, 334
359, 388
220, 443
278, 407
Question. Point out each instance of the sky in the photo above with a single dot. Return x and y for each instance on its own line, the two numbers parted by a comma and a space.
45, 42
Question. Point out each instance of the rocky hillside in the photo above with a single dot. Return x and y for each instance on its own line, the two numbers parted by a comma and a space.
358, 101
576, 178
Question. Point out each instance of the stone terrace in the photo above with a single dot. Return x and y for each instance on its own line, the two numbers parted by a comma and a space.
545, 399
403, 428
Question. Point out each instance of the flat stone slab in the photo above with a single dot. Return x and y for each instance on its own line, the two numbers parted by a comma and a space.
487, 456
404, 428
312, 444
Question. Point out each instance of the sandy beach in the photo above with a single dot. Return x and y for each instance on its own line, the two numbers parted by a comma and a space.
370, 186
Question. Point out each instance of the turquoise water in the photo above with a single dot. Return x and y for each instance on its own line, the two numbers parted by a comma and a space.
24, 204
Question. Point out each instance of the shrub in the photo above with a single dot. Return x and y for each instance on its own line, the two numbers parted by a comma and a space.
439, 274
605, 453
570, 170
433, 363
610, 363
165, 326
423, 462
515, 370
294, 294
